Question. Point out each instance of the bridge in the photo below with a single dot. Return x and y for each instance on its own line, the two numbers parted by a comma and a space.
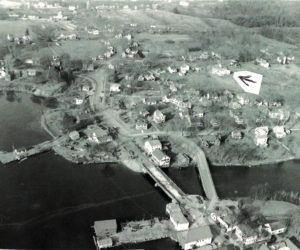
157, 174
164, 182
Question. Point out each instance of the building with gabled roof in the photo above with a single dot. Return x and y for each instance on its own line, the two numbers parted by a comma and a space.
160, 158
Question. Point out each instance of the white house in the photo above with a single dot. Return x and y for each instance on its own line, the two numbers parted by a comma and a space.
220, 71
158, 116
195, 237
2, 73
242, 99
279, 131
150, 146
262, 62
78, 101
278, 114
275, 228
177, 218
160, 158
261, 136
141, 125
114, 87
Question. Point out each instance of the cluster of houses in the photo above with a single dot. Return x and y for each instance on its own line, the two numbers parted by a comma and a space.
244, 233
26, 39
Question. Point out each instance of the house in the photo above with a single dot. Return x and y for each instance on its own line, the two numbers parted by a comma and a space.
276, 227
223, 221
2, 73
262, 62
88, 66
195, 237
236, 135
10, 37
234, 105
31, 72
279, 131
85, 88
184, 69
74, 135
78, 101
158, 116
160, 158
141, 125
172, 70
150, 146
242, 99
220, 71
177, 218
278, 114
261, 136
97, 135
103, 243
246, 234
114, 87
150, 101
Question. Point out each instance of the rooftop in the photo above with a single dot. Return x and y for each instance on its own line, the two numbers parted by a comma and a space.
102, 226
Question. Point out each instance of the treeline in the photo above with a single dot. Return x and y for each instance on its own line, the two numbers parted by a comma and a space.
257, 13
232, 43
264, 192
273, 18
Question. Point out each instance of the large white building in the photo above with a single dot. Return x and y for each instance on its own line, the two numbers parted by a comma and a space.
195, 237
150, 146
160, 158
177, 218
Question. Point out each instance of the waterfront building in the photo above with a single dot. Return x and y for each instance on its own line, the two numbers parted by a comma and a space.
276, 227
177, 218
246, 234
105, 227
195, 237
160, 158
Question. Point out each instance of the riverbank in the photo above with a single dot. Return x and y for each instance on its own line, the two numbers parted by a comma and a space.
46, 90
254, 163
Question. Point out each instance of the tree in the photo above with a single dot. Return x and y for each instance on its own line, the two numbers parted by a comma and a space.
44, 33
113, 132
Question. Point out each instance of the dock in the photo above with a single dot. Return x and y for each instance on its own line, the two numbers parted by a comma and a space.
22, 154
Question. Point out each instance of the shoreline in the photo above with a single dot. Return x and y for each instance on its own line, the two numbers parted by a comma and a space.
255, 163
29, 88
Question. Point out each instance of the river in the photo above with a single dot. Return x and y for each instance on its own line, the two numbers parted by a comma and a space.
48, 202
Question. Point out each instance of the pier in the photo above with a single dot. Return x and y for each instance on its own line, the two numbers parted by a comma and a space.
22, 154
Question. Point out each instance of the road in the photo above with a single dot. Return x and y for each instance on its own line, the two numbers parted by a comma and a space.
112, 118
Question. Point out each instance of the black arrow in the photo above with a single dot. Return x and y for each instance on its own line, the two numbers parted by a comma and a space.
246, 78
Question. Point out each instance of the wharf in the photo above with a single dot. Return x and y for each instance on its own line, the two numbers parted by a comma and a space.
134, 232
22, 154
